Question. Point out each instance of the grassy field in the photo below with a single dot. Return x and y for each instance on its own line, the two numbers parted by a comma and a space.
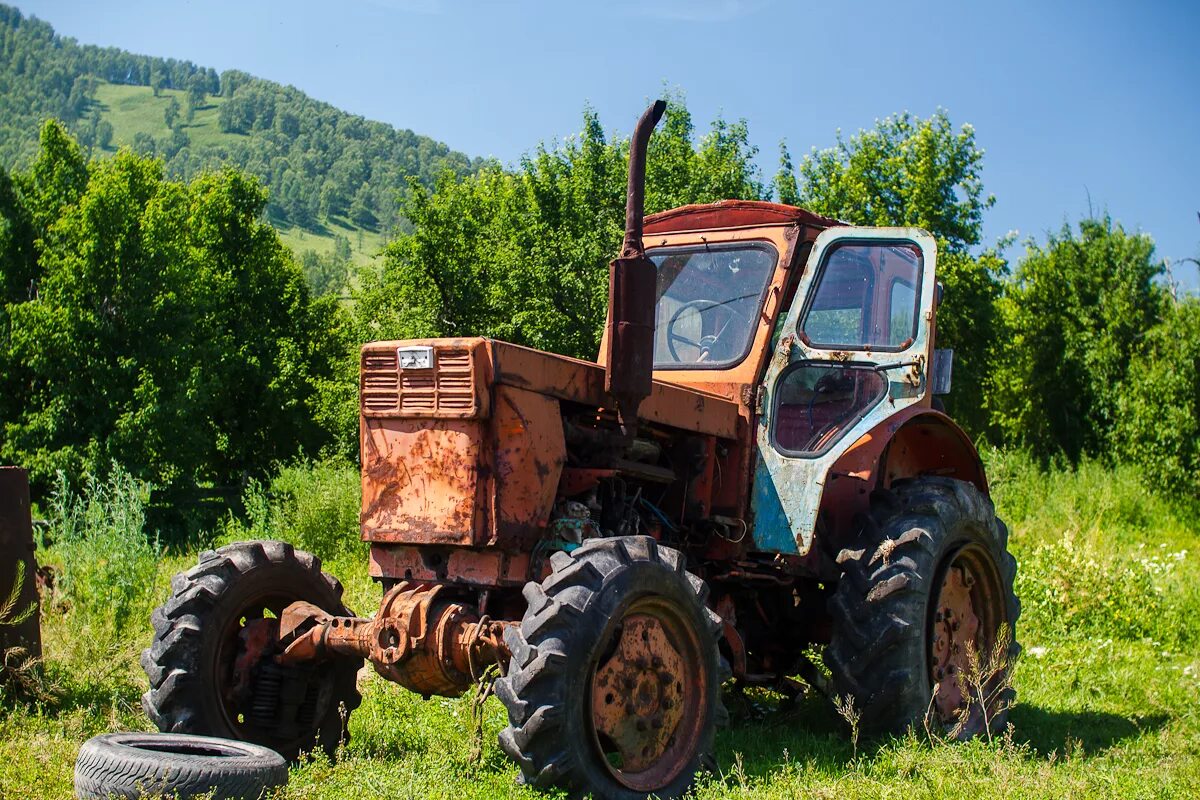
135, 109
1108, 686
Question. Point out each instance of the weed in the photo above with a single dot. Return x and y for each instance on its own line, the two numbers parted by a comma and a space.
9, 616
314, 506
847, 711
108, 564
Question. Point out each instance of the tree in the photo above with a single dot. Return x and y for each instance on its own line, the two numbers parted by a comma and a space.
104, 134
786, 188
171, 113
1158, 407
197, 89
1071, 321
168, 329
920, 172
18, 280
143, 144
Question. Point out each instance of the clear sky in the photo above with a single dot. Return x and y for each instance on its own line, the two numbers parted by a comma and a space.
1076, 103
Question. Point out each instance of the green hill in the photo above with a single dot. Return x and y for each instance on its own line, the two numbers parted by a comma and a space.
334, 178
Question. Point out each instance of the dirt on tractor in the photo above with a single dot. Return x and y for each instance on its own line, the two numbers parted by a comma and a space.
755, 469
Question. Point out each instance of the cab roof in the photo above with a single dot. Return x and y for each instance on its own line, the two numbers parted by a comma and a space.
733, 214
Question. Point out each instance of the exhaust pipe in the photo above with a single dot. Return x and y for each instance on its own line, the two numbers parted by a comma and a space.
629, 359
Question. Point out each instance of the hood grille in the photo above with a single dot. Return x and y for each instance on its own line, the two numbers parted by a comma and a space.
448, 389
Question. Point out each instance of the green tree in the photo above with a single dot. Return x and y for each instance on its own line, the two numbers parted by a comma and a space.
786, 188
1072, 319
197, 89
1158, 407
171, 113
18, 279
920, 172
104, 134
143, 144
168, 330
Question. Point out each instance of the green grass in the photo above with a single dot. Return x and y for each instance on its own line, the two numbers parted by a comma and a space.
135, 109
364, 244
1108, 686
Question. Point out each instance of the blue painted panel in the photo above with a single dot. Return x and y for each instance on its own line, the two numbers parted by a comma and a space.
772, 532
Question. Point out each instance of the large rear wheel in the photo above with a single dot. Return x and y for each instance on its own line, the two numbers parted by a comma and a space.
615, 679
924, 616
211, 665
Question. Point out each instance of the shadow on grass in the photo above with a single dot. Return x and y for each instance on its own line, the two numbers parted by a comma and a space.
1092, 732
766, 733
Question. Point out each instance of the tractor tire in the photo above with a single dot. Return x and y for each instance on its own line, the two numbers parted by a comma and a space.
929, 581
136, 765
211, 665
614, 686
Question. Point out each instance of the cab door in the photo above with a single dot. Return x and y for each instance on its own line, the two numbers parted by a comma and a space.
854, 350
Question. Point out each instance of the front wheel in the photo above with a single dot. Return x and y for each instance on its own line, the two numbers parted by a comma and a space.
211, 665
614, 686
924, 615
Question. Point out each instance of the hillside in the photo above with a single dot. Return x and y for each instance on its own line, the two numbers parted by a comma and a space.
333, 177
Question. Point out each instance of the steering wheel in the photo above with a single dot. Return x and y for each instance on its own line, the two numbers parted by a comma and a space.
705, 345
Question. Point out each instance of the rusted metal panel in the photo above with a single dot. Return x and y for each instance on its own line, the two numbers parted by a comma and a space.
423, 480
16, 558
915, 441
530, 451
484, 568
583, 382
733, 214
428, 378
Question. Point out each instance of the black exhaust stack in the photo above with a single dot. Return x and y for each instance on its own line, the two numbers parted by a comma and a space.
629, 359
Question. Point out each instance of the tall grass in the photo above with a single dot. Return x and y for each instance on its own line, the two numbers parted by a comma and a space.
109, 562
1098, 554
312, 505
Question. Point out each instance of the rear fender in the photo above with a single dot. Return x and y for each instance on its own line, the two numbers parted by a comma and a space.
916, 441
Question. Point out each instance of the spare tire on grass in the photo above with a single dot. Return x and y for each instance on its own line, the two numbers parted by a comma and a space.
136, 765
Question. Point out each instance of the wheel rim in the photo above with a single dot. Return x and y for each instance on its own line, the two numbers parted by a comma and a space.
966, 617
246, 648
647, 708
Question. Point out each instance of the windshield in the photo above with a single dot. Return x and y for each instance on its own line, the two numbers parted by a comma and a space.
708, 302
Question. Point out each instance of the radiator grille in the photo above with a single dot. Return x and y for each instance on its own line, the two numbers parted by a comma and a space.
447, 389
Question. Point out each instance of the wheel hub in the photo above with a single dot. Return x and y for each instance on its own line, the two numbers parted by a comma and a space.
638, 694
955, 636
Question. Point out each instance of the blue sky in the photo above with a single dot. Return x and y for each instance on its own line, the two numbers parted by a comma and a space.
1075, 103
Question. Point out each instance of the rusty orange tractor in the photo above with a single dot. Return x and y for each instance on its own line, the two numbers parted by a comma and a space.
755, 466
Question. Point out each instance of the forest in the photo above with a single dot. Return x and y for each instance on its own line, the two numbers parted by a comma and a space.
323, 167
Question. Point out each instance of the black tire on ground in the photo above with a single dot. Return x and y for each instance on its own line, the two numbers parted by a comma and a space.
585, 622
135, 765
202, 629
886, 617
